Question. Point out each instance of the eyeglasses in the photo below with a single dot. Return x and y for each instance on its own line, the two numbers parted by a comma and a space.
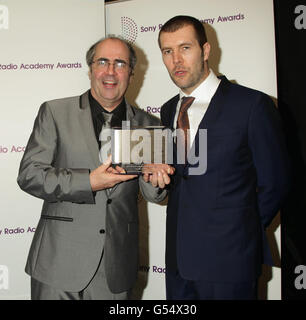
119, 65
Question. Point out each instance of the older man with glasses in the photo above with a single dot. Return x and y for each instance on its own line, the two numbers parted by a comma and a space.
86, 242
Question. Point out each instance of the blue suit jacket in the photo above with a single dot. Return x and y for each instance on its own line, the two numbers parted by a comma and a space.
216, 220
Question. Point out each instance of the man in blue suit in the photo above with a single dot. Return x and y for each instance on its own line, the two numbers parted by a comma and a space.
216, 219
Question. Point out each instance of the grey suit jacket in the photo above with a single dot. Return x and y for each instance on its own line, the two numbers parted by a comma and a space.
76, 225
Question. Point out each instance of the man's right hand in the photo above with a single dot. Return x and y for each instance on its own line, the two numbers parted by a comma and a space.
105, 176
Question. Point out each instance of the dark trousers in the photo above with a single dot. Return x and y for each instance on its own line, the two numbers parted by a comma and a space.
178, 288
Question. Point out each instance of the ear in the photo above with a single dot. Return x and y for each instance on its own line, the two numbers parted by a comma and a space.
206, 50
89, 74
131, 76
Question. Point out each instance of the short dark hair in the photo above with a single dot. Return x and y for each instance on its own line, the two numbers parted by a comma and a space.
179, 22
92, 51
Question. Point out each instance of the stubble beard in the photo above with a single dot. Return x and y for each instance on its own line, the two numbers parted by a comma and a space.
193, 81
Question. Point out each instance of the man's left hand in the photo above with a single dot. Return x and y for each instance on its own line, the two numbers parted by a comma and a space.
157, 174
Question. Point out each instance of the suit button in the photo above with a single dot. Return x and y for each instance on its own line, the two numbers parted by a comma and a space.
185, 177
102, 231
109, 201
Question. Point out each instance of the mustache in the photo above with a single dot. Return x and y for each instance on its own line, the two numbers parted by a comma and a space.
179, 68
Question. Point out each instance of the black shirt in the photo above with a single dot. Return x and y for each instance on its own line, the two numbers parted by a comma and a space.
119, 115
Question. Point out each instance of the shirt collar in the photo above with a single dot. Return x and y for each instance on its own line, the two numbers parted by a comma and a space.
119, 113
205, 91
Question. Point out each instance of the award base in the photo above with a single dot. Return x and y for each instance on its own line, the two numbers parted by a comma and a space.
142, 168
132, 168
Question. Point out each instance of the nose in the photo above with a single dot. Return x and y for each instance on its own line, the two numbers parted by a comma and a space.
110, 68
176, 57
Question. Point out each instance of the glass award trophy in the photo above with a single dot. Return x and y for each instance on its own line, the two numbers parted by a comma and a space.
138, 149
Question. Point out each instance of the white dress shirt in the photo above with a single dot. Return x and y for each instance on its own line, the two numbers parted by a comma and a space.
203, 95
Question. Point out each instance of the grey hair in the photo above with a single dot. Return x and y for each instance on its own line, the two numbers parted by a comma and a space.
92, 51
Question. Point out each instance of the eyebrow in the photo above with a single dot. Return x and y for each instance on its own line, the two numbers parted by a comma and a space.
116, 60
180, 45
186, 44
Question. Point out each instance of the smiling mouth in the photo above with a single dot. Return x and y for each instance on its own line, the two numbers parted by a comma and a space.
109, 83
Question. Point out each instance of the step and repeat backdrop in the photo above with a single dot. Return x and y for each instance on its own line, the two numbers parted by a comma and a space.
42, 57
241, 33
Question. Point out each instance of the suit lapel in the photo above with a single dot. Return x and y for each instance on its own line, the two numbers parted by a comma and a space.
130, 116
215, 107
212, 113
87, 129
169, 122
171, 112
